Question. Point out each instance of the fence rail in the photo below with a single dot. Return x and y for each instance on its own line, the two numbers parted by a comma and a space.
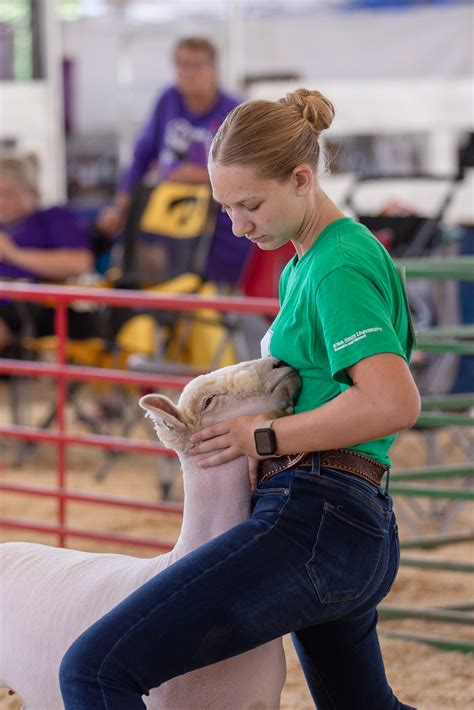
450, 410
61, 297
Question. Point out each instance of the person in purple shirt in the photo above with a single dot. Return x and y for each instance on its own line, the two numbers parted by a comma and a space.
35, 244
175, 141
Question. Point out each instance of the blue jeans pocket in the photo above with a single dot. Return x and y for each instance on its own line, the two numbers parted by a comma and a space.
345, 556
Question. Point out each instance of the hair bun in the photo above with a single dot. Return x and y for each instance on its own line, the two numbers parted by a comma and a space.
313, 107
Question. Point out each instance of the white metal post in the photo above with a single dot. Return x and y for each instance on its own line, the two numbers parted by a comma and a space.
235, 46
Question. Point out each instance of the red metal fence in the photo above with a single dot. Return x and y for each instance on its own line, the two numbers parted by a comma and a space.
63, 373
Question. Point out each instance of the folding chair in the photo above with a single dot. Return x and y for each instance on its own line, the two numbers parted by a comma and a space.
168, 231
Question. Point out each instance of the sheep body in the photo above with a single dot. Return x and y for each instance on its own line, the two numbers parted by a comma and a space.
50, 595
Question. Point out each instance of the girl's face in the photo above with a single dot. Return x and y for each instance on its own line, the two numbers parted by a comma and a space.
16, 200
266, 211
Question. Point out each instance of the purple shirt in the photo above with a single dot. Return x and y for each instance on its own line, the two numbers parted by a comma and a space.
172, 135
54, 228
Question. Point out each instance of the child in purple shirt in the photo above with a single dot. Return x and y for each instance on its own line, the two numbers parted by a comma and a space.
176, 139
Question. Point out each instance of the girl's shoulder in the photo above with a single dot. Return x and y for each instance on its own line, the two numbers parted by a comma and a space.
354, 245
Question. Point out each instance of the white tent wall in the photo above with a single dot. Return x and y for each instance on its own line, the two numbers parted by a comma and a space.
93, 45
135, 63
134, 60
439, 110
426, 42
406, 70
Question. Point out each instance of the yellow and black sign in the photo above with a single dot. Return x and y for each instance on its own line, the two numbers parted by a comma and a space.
177, 210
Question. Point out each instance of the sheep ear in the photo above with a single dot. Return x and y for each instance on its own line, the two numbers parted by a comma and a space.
163, 411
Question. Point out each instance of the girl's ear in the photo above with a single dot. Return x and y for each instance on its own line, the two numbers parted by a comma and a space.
303, 178
163, 411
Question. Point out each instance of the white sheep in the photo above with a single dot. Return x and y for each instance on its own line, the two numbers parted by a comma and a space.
50, 595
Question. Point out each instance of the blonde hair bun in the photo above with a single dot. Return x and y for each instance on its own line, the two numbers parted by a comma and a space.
274, 136
313, 107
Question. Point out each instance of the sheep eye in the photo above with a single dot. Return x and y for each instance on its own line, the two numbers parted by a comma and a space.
207, 401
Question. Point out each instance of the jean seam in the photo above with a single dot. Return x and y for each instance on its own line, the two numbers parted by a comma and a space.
267, 491
356, 492
286, 534
318, 674
195, 579
81, 676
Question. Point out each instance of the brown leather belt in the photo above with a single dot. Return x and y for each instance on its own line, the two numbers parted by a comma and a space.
341, 459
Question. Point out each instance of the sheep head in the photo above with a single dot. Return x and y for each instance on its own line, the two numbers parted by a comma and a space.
246, 388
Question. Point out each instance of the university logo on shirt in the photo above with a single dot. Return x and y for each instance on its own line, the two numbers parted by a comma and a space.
354, 338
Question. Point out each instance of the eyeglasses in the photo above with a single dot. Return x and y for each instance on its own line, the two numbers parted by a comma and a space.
187, 65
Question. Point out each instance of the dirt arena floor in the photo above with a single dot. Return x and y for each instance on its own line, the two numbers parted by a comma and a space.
422, 676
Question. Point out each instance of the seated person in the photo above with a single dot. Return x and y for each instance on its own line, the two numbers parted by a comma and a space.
175, 141
35, 244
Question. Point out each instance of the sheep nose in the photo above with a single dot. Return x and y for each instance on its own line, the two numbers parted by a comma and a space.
280, 363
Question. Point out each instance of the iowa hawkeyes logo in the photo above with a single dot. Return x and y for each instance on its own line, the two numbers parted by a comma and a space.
182, 209
177, 210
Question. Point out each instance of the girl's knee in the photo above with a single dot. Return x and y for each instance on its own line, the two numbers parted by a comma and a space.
81, 660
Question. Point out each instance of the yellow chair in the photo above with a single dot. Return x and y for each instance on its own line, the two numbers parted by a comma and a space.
190, 341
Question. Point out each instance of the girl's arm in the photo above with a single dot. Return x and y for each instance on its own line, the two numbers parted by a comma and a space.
382, 400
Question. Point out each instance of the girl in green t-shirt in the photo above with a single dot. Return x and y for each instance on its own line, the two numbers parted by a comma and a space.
320, 549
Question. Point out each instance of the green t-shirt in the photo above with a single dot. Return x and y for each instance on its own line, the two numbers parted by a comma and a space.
341, 302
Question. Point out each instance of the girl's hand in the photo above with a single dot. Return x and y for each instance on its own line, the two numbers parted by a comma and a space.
227, 440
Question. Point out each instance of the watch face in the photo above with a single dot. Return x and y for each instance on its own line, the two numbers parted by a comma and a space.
265, 442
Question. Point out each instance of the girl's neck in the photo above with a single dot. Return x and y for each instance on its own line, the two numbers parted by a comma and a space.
322, 212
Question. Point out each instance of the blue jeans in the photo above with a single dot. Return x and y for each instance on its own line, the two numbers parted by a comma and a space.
318, 554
